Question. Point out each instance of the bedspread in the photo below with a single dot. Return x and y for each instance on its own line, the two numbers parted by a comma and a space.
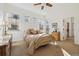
35, 41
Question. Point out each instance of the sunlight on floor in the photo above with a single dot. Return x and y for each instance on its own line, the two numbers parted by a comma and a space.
64, 51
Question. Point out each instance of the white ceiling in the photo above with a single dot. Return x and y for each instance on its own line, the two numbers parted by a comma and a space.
58, 9
31, 7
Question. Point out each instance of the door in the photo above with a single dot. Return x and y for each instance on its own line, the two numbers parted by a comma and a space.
67, 29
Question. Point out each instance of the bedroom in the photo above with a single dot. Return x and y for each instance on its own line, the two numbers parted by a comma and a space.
18, 21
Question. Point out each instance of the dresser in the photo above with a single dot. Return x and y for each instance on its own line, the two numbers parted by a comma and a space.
56, 36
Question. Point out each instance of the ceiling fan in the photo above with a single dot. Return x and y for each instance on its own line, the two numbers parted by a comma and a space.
42, 7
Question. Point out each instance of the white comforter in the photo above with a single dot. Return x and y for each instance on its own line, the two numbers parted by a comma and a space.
35, 41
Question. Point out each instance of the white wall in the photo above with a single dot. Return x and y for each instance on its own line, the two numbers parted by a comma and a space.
1, 27
68, 20
56, 14
19, 35
59, 12
1, 6
66, 11
76, 30
1, 20
60, 26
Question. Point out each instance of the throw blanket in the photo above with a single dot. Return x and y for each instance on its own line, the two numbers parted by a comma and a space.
35, 41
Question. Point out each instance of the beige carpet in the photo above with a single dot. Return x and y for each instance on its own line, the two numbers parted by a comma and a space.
48, 50
70, 47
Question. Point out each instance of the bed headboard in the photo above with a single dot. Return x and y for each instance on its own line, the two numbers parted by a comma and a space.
33, 31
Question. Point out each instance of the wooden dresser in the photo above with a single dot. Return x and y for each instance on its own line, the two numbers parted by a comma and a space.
56, 36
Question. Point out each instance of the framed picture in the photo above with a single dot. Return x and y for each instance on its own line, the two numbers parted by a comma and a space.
26, 18
40, 26
54, 26
47, 27
13, 22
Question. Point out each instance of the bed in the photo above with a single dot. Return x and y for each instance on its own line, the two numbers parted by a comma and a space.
35, 41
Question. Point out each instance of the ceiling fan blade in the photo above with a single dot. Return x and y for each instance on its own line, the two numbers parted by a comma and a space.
42, 7
37, 3
48, 4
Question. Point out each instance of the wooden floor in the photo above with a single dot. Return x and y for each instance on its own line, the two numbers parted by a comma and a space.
48, 50
70, 47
